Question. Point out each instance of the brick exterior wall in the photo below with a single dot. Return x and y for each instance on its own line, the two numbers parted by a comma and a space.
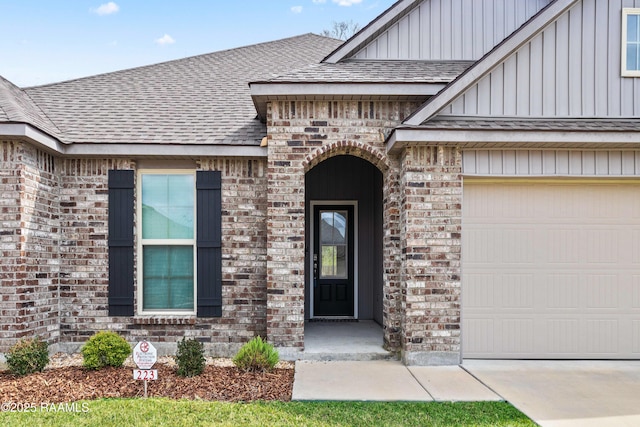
302, 134
54, 278
431, 218
29, 241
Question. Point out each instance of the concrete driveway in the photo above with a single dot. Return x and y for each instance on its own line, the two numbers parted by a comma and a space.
566, 393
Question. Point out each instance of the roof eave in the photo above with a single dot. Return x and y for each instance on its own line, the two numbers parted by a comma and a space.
34, 135
405, 136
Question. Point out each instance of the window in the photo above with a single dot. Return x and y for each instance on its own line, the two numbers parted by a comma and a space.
166, 244
631, 42
179, 242
333, 242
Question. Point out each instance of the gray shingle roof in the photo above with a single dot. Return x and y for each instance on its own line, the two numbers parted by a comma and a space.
571, 125
198, 100
377, 71
17, 107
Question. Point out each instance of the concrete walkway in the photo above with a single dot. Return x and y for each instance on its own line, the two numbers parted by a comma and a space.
385, 381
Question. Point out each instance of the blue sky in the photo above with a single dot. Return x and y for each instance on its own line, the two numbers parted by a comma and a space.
46, 41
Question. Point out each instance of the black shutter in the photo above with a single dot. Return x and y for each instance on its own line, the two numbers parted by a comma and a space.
121, 201
209, 243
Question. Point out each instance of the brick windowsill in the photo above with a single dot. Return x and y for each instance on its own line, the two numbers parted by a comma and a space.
164, 320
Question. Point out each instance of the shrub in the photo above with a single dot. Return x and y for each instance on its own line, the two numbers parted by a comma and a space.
105, 349
190, 358
28, 356
256, 355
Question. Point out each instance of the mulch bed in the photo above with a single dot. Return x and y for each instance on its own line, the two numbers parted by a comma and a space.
71, 384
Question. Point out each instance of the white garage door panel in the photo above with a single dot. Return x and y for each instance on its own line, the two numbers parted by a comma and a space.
551, 270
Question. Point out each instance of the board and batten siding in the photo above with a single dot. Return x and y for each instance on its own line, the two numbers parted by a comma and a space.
615, 163
571, 69
451, 29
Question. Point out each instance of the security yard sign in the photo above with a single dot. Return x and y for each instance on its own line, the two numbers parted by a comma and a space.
145, 356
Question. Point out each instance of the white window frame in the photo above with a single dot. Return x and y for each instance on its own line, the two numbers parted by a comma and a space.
163, 242
625, 13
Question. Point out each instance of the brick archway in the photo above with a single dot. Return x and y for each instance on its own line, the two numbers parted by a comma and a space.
353, 148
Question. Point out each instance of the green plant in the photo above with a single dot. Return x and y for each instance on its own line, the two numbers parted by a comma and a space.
190, 357
256, 355
28, 356
105, 348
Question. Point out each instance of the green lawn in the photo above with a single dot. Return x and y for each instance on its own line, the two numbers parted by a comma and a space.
164, 412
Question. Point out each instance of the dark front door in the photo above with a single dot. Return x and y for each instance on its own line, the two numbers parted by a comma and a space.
333, 261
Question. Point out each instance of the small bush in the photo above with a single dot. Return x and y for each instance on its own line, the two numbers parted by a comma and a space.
28, 356
190, 358
256, 355
105, 349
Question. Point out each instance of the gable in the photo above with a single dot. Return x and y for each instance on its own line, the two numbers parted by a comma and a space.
570, 69
450, 29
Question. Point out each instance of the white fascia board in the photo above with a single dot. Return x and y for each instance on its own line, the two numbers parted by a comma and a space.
491, 60
22, 130
162, 150
345, 89
361, 37
408, 136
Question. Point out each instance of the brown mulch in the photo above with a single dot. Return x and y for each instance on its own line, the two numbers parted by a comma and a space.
75, 383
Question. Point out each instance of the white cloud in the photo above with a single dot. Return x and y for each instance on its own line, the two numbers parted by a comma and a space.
347, 2
166, 39
106, 9
296, 9
319, 1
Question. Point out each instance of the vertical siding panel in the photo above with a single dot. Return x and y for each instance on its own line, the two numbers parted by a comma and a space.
628, 163
425, 22
575, 60
496, 162
469, 162
615, 162
562, 65
549, 166
467, 29
484, 96
489, 29
482, 162
456, 30
523, 81
510, 85
522, 162
509, 161
436, 52
414, 38
471, 101
535, 84
446, 42
497, 90
535, 162
588, 163
614, 59
549, 71
383, 47
602, 163
478, 29
457, 106
498, 19
404, 40
575, 163
588, 61
394, 40
562, 162
601, 75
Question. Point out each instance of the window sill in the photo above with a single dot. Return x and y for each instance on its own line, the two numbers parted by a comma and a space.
165, 320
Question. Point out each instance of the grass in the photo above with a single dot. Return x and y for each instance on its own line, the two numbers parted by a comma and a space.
165, 412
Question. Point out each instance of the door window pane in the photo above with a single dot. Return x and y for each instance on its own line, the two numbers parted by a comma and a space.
168, 278
167, 206
333, 244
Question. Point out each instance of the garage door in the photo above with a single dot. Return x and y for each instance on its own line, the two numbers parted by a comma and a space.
551, 270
